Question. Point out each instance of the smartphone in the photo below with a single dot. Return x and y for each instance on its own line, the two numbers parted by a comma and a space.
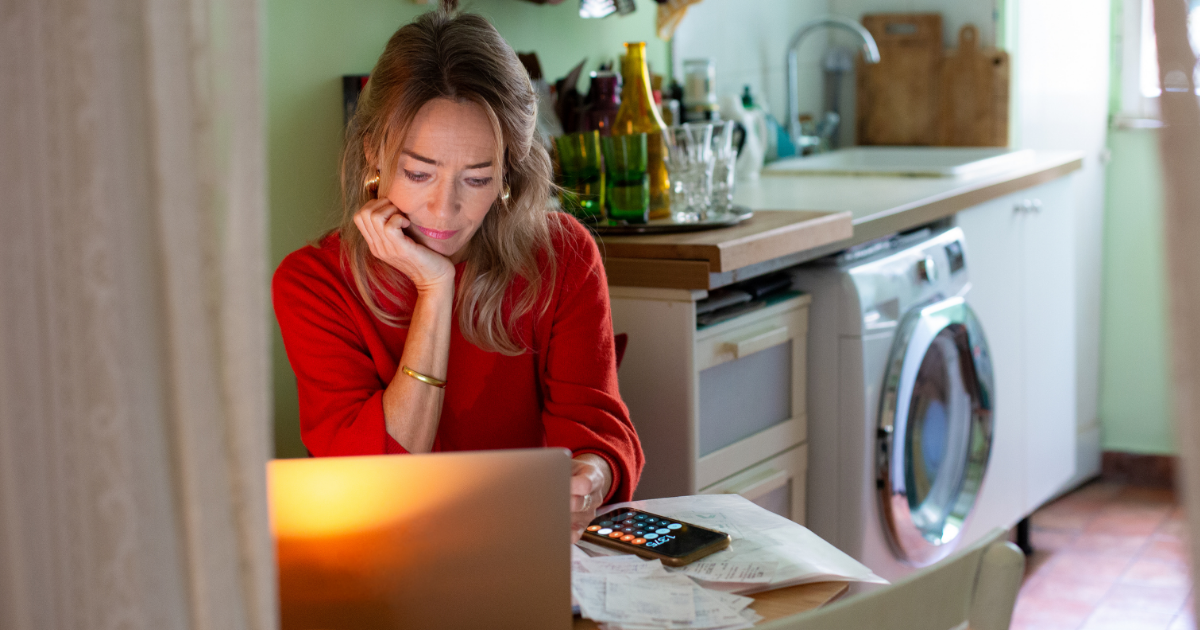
670, 540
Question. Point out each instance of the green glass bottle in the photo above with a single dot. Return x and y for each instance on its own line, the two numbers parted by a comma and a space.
638, 114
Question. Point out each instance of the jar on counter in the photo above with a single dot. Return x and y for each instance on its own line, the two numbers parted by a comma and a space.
700, 90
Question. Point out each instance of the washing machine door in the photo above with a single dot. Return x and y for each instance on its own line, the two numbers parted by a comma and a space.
935, 429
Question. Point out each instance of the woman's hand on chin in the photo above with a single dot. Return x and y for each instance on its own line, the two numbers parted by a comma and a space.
590, 479
382, 226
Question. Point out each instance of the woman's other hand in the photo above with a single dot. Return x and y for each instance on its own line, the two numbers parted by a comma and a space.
382, 226
590, 481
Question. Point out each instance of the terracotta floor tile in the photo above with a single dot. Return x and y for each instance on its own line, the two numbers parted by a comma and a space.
1087, 567
1150, 572
1108, 618
1051, 539
1139, 494
1082, 501
1127, 522
1069, 516
1081, 504
1049, 588
1108, 556
1032, 611
1034, 563
1167, 599
1109, 544
1166, 549
1158, 512
1173, 528
1103, 490
1065, 520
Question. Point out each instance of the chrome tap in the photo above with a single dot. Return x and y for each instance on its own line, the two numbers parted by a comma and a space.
870, 53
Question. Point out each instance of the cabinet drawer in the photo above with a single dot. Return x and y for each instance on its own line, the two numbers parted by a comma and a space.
776, 484
734, 458
753, 332
751, 380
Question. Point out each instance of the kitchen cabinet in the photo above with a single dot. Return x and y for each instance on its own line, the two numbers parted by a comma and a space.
1021, 260
718, 409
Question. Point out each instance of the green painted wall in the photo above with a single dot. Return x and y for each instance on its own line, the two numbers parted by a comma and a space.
1135, 395
1134, 378
310, 44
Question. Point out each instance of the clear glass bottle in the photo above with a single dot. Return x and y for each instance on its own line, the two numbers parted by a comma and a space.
638, 114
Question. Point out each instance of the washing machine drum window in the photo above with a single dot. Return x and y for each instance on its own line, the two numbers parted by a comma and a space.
935, 429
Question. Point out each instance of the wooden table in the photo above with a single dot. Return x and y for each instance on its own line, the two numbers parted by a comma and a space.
777, 603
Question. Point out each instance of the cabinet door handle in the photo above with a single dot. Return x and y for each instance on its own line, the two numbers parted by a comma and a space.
1028, 205
758, 342
762, 486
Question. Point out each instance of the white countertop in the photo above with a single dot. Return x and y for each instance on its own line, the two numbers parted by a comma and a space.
884, 205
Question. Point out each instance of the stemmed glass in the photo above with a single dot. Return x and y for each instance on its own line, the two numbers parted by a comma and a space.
690, 167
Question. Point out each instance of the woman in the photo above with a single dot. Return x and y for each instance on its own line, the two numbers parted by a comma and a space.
451, 310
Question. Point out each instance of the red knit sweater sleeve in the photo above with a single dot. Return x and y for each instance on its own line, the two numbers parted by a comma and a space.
582, 407
341, 393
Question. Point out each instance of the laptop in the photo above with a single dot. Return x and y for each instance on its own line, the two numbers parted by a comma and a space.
446, 540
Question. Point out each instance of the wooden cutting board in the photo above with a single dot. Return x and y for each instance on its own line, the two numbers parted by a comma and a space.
974, 94
897, 98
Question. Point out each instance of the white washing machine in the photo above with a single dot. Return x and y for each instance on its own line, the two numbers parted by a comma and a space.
900, 401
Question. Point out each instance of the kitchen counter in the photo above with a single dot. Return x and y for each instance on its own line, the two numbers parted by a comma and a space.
714, 258
803, 217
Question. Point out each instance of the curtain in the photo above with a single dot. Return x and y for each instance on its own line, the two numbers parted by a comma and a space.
134, 408
1179, 145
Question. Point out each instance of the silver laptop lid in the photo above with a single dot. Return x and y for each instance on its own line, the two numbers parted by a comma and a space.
447, 540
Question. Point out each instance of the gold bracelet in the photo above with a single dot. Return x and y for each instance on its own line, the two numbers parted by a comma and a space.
429, 380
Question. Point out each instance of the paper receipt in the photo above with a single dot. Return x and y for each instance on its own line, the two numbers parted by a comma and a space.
742, 571
659, 599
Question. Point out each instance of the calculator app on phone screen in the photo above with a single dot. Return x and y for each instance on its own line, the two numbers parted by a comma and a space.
672, 541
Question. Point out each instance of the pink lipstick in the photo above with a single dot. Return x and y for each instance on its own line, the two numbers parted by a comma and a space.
438, 234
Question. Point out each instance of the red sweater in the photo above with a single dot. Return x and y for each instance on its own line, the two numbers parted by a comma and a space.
563, 393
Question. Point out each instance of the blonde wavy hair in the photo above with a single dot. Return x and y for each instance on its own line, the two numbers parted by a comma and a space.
463, 58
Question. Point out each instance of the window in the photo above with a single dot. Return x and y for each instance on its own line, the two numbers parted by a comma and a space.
1149, 53
1139, 57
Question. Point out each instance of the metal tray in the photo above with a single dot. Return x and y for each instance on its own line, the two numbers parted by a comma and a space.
713, 221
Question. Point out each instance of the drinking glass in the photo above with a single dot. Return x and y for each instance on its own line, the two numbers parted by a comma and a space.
582, 174
690, 166
724, 160
625, 159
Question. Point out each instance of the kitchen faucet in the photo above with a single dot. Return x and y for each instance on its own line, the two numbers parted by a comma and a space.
870, 53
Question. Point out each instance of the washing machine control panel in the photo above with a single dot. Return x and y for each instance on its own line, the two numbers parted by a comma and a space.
954, 253
927, 269
891, 283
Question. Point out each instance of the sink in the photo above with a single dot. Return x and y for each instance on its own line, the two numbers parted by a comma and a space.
903, 162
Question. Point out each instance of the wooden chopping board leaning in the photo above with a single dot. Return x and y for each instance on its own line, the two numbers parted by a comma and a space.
920, 95
974, 94
897, 98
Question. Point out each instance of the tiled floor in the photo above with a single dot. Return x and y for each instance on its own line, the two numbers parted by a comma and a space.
1107, 556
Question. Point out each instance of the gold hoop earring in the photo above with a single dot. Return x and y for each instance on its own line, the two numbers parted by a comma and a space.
372, 185
505, 193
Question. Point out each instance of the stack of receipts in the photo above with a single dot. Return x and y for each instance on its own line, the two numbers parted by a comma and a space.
627, 593
768, 551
